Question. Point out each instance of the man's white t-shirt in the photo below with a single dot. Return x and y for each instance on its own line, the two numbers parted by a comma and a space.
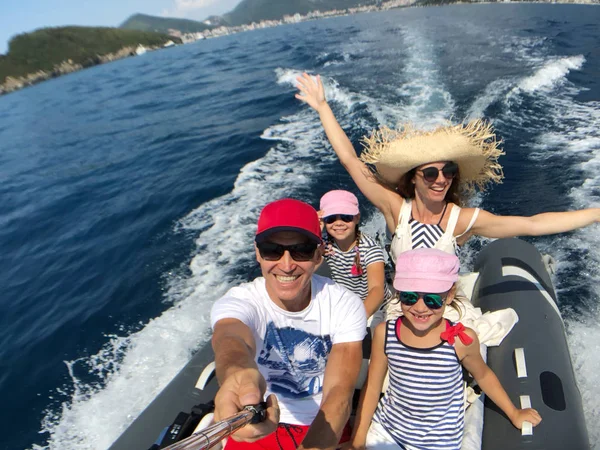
292, 347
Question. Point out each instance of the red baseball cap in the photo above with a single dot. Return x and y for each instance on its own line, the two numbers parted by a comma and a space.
288, 214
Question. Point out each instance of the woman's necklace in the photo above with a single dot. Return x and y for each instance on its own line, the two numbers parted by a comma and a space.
432, 217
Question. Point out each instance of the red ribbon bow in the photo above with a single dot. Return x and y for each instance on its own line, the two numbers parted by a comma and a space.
456, 330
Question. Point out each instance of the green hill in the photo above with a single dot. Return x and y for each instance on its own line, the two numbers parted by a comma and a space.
46, 48
249, 11
144, 22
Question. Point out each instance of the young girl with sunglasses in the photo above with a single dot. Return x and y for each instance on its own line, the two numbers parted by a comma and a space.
355, 259
419, 178
423, 406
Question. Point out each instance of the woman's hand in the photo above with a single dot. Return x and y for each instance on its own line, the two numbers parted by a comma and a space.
321, 222
525, 415
328, 248
311, 91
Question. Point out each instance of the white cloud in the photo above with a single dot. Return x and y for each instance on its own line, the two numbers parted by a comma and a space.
198, 9
190, 5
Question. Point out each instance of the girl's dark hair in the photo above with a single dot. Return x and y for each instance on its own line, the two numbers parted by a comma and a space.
406, 187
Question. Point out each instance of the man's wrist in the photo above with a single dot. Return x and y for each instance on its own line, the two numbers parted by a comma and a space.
231, 370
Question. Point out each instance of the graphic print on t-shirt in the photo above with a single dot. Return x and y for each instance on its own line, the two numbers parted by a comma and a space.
295, 360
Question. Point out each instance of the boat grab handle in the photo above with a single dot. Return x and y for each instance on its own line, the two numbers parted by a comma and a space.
520, 362
205, 375
526, 427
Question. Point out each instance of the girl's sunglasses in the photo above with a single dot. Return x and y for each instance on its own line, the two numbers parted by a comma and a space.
432, 301
431, 173
271, 251
343, 217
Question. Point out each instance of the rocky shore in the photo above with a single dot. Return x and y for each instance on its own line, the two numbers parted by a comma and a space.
15, 83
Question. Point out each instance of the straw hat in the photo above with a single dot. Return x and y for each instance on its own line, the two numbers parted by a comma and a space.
473, 146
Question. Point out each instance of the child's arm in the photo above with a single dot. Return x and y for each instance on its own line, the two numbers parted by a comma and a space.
488, 382
371, 391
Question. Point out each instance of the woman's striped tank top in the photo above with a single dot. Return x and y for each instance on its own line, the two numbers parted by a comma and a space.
423, 407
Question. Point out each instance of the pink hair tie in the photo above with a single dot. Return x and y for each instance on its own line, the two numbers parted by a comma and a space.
356, 267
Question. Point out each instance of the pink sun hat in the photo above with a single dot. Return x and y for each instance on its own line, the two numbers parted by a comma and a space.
426, 270
339, 202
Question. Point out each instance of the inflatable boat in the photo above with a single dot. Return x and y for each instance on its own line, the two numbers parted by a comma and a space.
532, 363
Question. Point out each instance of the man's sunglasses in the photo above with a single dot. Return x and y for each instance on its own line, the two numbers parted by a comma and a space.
343, 217
432, 301
271, 251
431, 173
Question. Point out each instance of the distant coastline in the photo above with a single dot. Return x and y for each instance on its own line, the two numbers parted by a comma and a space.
51, 52
13, 83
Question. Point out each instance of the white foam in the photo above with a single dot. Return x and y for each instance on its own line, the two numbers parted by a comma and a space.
583, 329
98, 412
495, 91
584, 344
551, 74
334, 59
429, 104
333, 91
529, 51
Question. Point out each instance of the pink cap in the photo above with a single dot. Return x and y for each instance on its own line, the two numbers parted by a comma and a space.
426, 270
339, 202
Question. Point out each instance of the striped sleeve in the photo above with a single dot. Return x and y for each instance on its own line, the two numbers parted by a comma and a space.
372, 251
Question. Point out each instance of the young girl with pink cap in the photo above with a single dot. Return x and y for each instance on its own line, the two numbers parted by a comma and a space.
355, 259
423, 406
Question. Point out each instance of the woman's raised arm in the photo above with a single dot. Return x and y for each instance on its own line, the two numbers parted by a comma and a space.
313, 93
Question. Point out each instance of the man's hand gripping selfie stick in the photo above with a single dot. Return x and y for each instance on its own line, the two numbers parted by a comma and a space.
212, 435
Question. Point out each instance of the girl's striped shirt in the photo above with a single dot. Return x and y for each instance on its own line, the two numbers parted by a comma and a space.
423, 407
340, 264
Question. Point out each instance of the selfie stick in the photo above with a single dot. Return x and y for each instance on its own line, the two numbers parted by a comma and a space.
212, 435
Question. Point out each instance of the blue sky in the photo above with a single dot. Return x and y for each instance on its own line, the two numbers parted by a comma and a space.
19, 16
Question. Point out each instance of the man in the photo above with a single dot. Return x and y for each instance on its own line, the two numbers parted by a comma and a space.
292, 335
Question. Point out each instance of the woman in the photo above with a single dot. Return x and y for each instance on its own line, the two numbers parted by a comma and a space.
420, 176
355, 259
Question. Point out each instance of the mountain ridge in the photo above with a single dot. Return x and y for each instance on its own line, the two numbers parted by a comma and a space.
246, 12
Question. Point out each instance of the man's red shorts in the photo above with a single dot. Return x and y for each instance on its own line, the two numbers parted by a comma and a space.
286, 437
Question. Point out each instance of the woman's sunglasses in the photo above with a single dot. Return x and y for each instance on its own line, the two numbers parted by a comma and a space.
431, 173
343, 217
271, 251
432, 301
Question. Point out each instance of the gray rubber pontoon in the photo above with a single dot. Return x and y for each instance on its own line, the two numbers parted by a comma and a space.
511, 275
